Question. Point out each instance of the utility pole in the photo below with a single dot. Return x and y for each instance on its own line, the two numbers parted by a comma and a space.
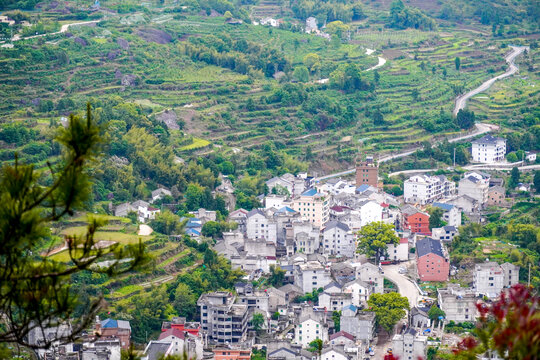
454, 157
529, 280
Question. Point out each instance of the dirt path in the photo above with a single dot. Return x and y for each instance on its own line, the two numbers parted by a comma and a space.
461, 101
63, 29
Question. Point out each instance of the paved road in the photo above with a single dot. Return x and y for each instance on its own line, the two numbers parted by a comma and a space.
461, 101
507, 166
481, 129
405, 286
63, 29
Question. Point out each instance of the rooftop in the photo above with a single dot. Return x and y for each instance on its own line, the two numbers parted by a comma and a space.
429, 246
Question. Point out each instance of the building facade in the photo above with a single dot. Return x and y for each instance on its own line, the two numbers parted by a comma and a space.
367, 172
489, 149
424, 189
432, 261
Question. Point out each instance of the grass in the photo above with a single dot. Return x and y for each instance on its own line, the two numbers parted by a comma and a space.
174, 258
196, 144
126, 290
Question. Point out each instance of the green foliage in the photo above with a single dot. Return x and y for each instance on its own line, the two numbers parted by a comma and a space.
277, 274
514, 177
215, 229
336, 317
312, 297
435, 312
257, 321
167, 223
511, 157
435, 217
403, 17
389, 308
301, 74
457, 62
374, 239
316, 346
327, 11
465, 119
536, 181
347, 77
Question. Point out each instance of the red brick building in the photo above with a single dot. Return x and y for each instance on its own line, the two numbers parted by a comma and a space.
367, 172
232, 354
432, 262
415, 220
119, 329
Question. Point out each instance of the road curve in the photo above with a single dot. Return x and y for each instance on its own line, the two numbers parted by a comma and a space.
63, 29
405, 286
461, 101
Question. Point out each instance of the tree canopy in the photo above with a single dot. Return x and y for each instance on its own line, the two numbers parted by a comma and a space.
389, 308
374, 239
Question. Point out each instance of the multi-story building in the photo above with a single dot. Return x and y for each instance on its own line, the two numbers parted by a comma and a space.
410, 345
490, 278
367, 172
360, 324
445, 233
222, 320
424, 189
359, 291
311, 275
459, 304
399, 252
475, 185
415, 220
371, 275
338, 239
259, 226
496, 196
306, 236
489, 149
334, 301
312, 206
309, 328
229, 353
451, 214
119, 329
432, 261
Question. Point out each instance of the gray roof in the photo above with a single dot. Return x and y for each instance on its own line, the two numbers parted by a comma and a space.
488, 139
333, 283
156, 349
255, 211
429, 246
333, 224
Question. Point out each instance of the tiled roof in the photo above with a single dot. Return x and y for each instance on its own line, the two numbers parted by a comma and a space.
174, 332
429, 246
342, 333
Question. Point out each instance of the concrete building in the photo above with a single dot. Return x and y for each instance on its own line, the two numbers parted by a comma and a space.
360, 324
488, 149
309, 328
490, 278
311, 275
371, 275
222, 320
459, 304
418, 318
425, 189
338, 239
118, 329
183, 342
432, 261
359, 291
334, 353
367, 172
415, 220
475, 185
399, 252
451, 215
496, 196
370, 211
306, 236
229, 353
334, 301
342, 338
160, 193
240, 217
466, 204
259, 226
313, 207
410, 345
444, 234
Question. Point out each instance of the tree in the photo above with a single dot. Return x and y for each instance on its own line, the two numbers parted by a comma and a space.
512, 157
312, 62
301, 74
507, 328
536, 181
277, 275
257, 321
435, 313
185, 302
36, 291
374, 239
514, 177
166, 223
457, 62
389, 308
227, 15
336, 317
465, 119
435, 217
316, 347
212, 229
337, 28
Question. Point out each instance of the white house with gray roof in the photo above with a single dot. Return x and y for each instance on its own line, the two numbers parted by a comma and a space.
489, 149
338, 239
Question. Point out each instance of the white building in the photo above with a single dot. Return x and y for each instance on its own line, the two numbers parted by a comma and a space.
459, 304
338, 239
489, 149
334, 301
410, 345
334, 353
370, 211
445, 233
490, 278
451, 215
424, 189
309, 328
399, 252
259, 226
306, 237
311, 275
371, 275
475, 184
359, 291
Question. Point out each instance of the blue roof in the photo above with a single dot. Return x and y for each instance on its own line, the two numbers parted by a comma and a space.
362, 188
193, 231
109, 323
350, 307
310, 192
446, 207
286, 209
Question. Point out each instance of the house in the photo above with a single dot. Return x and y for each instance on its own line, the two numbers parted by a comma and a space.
288, 353
496, 196
488, 149
234, 353
466, 204
490, 278
432, 261
276, 298
530, 156
425, 189
399, 252
360, 324
259, 226
445, 233
183, 342
410, 345
239, 216
367, 172
418, 318
311, 275
451, 214
415, 220
156, 350
475, 185
293, 185
341, 270
334, 353
180, 323
370, 211
359, 291
275, 201
204, 215
311, 25
270, 21
312, 206
119, 329
334, 301
159, 193
306, 237
371, 275
308, 328
222, 320
459, 304
342, 338
338, 239
291, 292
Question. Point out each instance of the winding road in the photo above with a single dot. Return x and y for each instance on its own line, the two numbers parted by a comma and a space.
461, 101
63, 29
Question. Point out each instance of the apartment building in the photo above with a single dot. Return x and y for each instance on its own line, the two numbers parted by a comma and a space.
490, 278
425, 189
489, 149
338, 239
311, 275
367, 172
312, 206
222, 320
